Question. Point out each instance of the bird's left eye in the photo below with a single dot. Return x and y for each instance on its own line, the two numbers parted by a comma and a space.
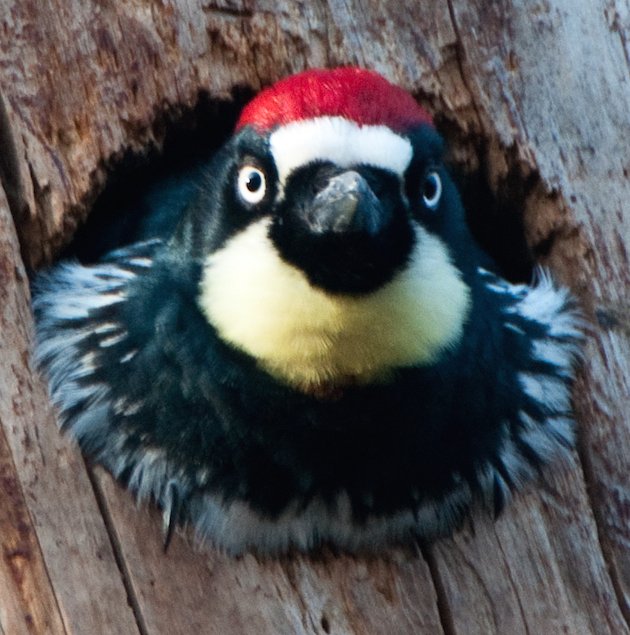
252, 184
432, 190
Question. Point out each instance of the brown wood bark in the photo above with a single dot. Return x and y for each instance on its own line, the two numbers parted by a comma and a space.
532, 93
28, 601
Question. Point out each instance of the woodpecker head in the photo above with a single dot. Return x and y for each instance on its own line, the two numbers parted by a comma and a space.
324, 233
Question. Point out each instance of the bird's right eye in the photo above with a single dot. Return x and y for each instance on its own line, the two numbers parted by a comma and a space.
252, 184
432, 190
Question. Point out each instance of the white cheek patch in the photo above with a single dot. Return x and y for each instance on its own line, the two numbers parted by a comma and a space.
340, 141
306, 337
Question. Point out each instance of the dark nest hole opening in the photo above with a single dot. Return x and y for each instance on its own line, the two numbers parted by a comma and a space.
495, 215
496, 221
146, 194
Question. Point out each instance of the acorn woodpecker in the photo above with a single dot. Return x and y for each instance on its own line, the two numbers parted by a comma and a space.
317, 353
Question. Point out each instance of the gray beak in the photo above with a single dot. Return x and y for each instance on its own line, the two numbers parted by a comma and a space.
347, 205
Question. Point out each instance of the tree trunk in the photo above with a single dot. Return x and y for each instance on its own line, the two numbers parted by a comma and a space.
531, 95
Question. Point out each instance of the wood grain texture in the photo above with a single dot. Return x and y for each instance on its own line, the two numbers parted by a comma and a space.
58, 572
28, 601
27, 597
220, 594
538, 569
563, 105
534, 94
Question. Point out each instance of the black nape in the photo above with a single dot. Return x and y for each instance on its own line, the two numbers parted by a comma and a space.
493, 214
147, 192
496, 222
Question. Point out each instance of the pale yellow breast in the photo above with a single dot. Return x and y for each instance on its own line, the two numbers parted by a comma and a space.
304, 336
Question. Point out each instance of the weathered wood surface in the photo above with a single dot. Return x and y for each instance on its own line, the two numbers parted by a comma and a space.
535, 94
58, 568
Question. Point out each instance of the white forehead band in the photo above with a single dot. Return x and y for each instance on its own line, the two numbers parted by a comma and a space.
343, 142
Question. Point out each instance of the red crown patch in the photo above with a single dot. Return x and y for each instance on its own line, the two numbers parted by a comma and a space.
359, 95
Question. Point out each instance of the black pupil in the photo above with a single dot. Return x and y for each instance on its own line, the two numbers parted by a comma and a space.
254, 181
430, 188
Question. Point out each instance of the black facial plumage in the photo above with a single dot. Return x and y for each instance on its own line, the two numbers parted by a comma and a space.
317, 354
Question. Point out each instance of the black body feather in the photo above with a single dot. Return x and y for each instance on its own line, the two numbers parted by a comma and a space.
220, 425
